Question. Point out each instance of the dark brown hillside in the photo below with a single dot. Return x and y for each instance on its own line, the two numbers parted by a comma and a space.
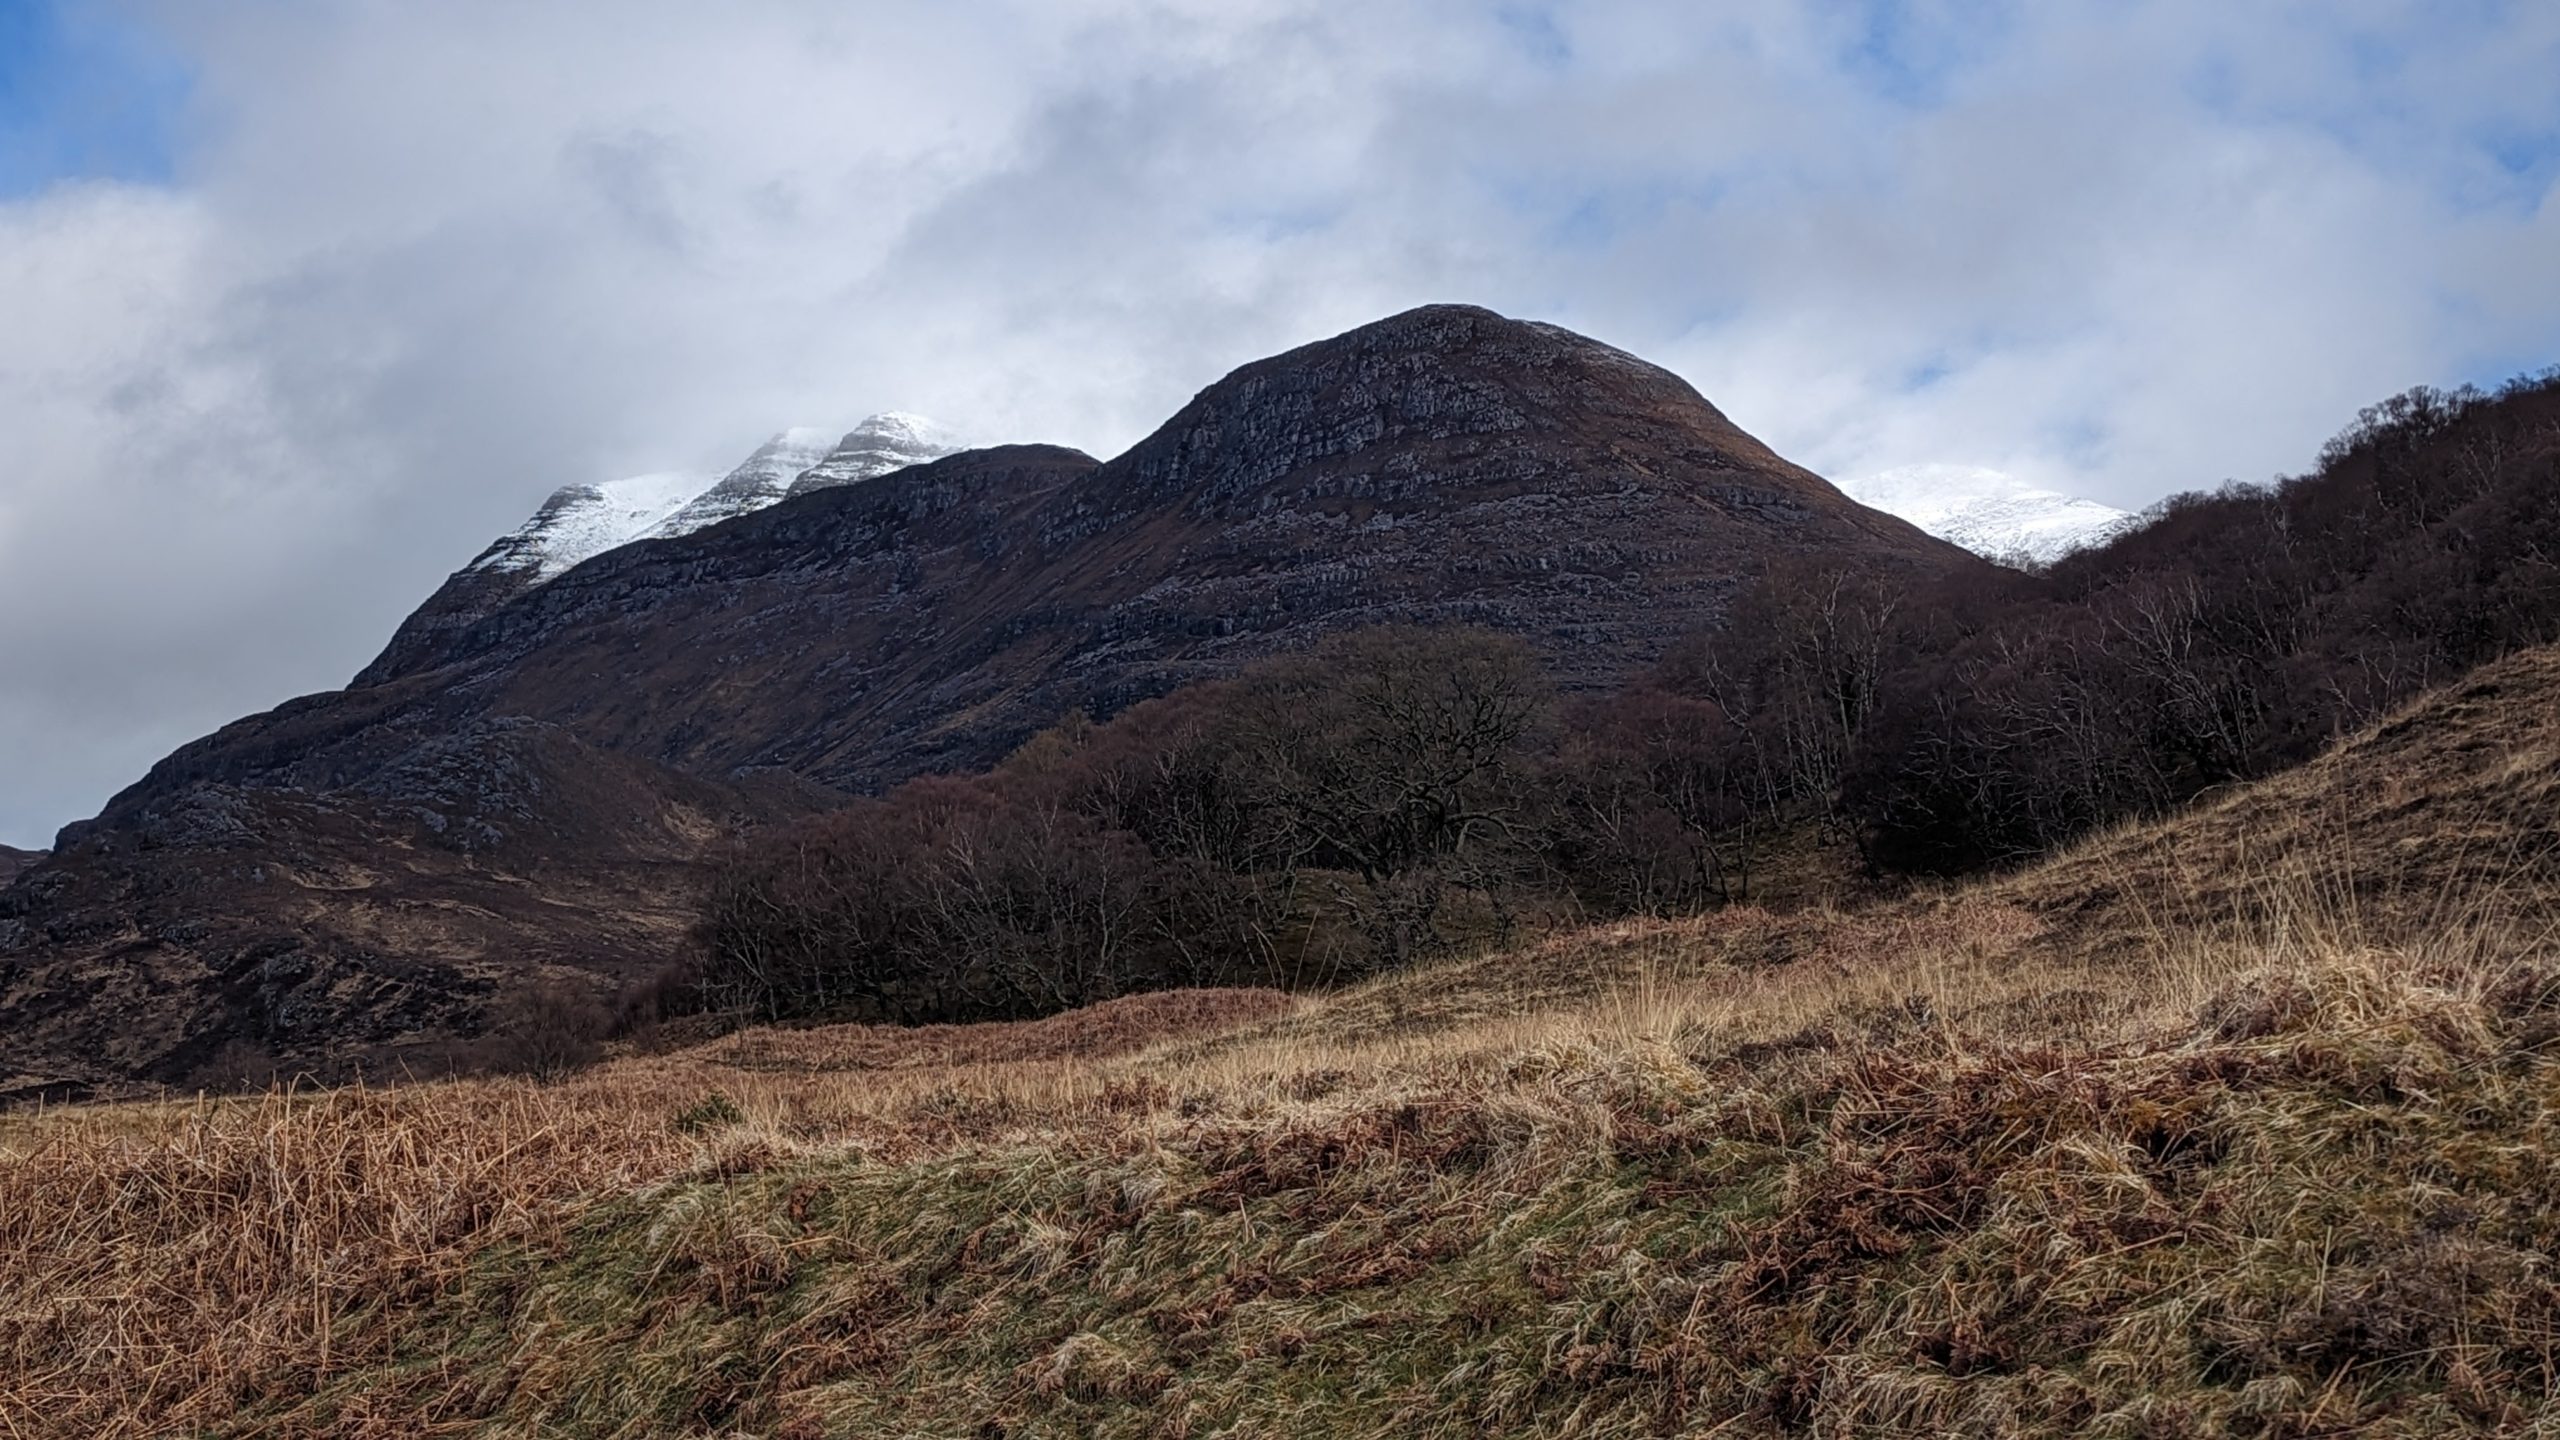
1446, 465
235, 930
13, 860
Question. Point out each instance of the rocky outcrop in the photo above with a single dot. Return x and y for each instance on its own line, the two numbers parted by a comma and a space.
759, 480
368, 928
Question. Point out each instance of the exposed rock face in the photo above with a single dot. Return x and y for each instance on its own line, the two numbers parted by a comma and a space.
575, 524
359, 928
1446, 465
580, 522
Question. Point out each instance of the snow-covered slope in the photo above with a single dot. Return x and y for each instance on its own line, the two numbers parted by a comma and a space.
580, 521
885, 442
1990, 512
759, 480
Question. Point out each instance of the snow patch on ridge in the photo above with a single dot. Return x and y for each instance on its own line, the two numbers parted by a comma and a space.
759, 480
580, 522
1990, 512
891, 440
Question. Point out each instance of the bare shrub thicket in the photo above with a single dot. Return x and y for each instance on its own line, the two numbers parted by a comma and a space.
1316, 818
2236, 634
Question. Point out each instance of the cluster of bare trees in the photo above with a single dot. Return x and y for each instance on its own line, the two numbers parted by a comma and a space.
945, 899
2234, 635
1313, 818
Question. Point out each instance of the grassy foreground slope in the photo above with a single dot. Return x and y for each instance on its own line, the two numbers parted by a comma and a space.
2240, 1125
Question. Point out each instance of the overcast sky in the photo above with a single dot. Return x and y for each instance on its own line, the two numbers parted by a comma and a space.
302, 301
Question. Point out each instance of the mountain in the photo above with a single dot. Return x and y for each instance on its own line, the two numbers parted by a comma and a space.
580, 522
885, 442
797, 461
1445, 465
1992, 514
13, 860
759, 480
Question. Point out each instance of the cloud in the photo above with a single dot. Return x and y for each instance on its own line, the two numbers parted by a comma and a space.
407, 268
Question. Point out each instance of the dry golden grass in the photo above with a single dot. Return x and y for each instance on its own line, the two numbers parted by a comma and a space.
1652, 1181
2154, 1140
2445, 817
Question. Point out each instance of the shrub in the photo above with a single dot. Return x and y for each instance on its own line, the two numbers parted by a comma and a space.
1308, 820
546, 1031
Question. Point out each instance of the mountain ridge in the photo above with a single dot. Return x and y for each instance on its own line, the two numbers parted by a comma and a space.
1444, 466
580, 522
14, 860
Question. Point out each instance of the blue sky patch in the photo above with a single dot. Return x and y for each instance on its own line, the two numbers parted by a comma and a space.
1908, 53
84, 95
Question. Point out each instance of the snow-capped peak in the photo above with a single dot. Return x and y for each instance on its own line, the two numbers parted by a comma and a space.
892, 440
582, 521
759, 480
1990, 512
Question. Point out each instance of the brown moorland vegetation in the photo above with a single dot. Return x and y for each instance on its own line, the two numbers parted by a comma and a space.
2097, 1149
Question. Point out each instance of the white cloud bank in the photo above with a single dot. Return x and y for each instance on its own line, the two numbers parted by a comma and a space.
420, 264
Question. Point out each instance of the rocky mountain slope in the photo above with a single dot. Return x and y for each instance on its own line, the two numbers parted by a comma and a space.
1992, 514
13, 860
879, 445
236, 930
797, 461
1445, 465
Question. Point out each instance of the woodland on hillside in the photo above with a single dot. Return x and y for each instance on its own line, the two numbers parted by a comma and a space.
1334, 814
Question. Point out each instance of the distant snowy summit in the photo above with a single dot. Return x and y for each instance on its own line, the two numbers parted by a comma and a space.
583, 520
1991, 513
891, 441
580, 522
